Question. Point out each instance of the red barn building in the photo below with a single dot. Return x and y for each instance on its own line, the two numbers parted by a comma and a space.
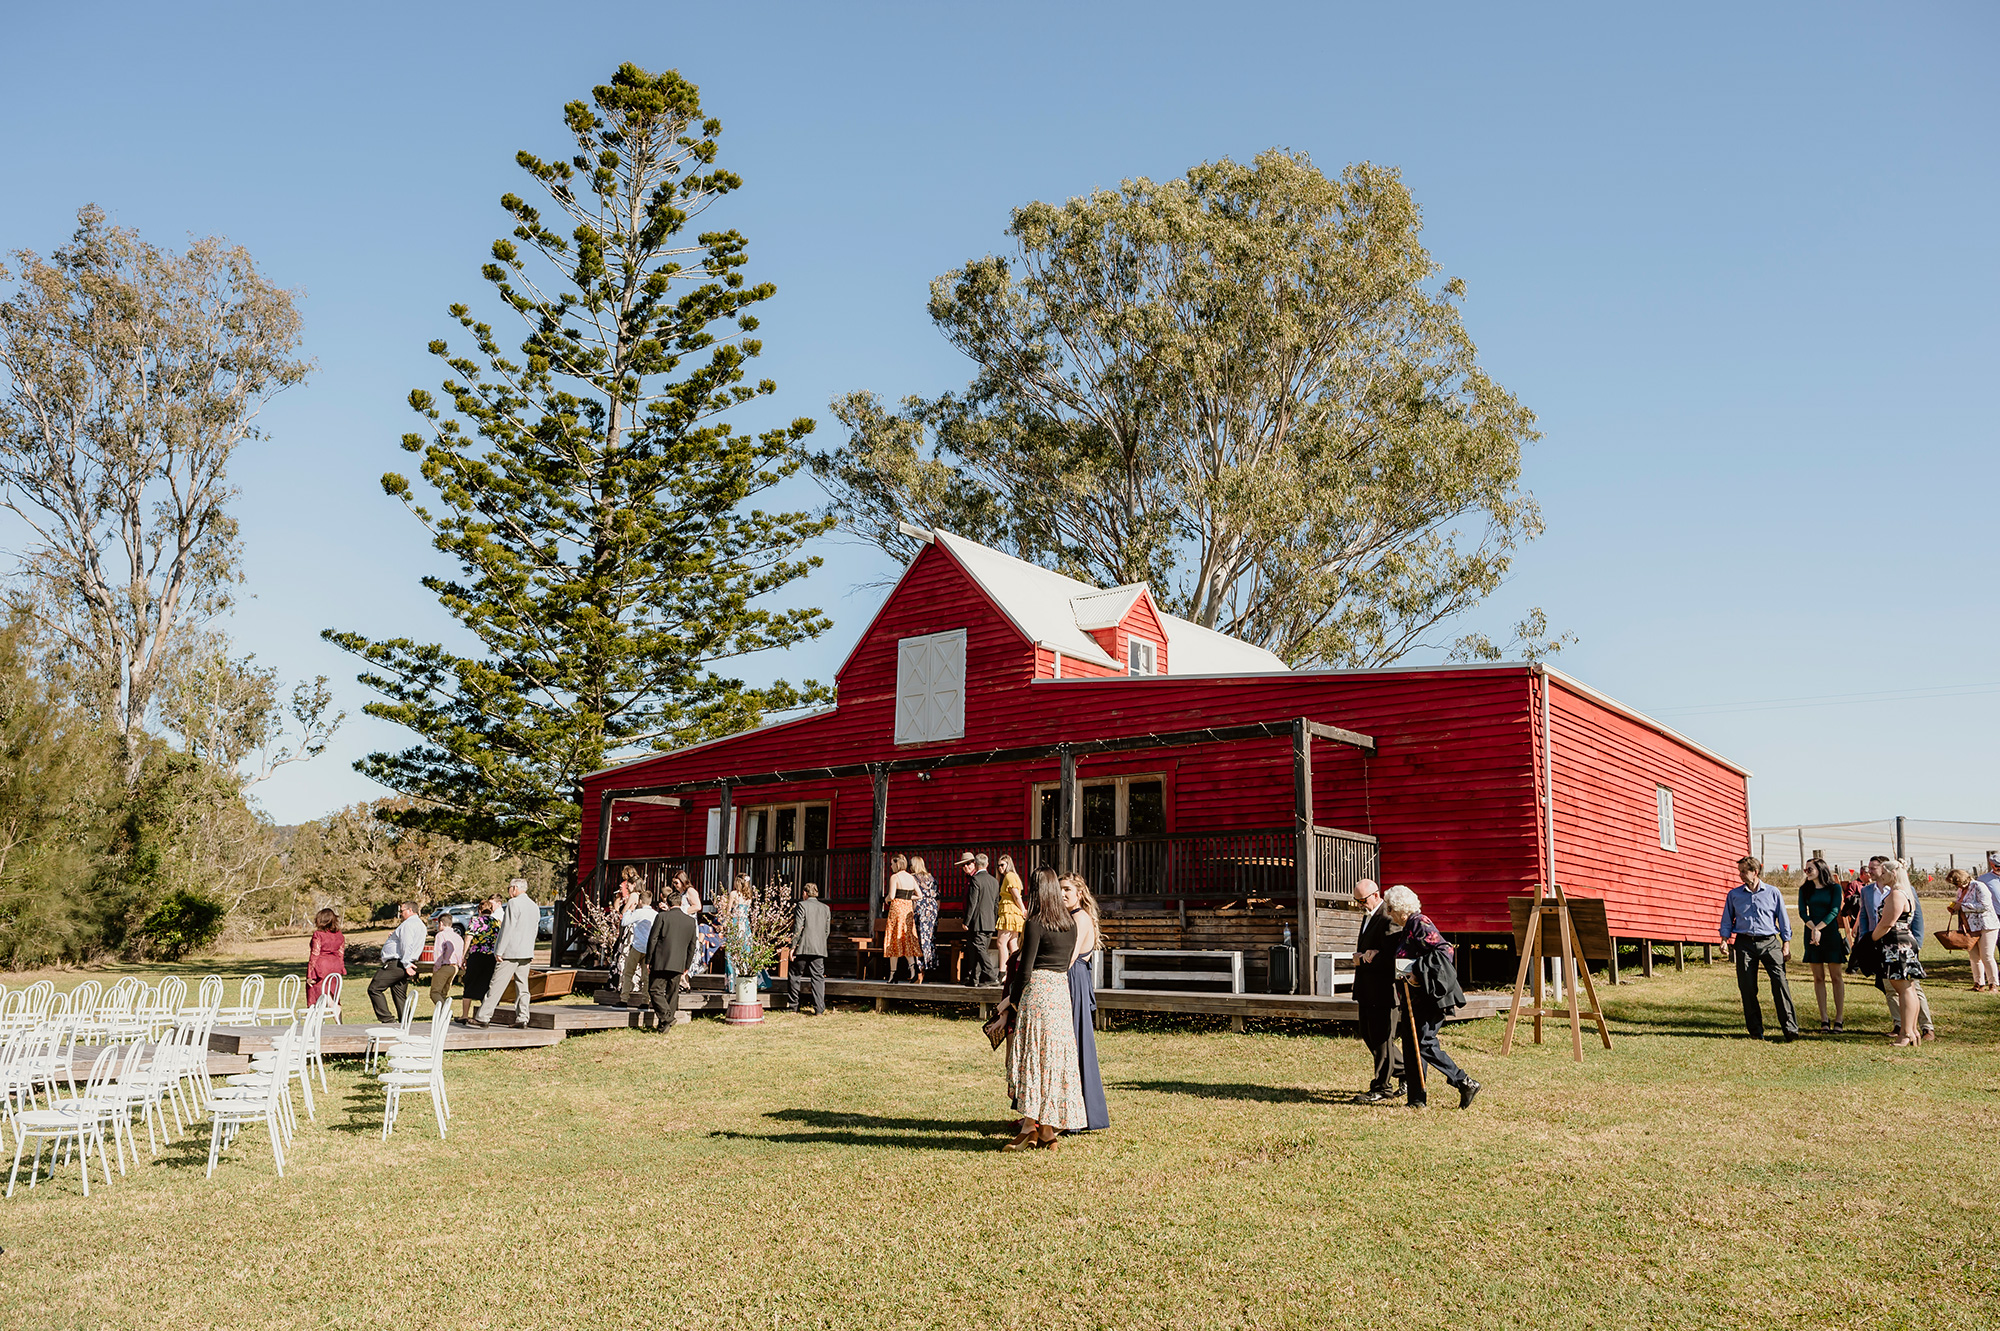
1211, 796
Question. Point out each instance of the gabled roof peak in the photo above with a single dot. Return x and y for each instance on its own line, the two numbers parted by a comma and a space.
1057, 611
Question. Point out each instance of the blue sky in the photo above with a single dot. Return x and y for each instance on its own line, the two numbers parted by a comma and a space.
1738, 259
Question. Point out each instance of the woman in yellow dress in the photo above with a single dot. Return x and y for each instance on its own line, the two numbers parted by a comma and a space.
1012, 914
899, 930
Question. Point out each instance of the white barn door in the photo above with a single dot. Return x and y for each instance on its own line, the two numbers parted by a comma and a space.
930, 688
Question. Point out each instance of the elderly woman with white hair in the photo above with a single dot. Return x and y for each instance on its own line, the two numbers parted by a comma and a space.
1426, 969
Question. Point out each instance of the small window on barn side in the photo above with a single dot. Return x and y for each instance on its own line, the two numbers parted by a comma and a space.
1140, 656
930, 688
1665, 798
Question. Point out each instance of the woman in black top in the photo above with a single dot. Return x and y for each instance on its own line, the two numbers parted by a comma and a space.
1043, 1076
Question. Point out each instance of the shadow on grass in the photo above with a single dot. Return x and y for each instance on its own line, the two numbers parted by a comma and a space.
838, 1129
1231, 1090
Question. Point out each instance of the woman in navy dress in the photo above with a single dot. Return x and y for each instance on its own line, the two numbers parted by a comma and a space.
1083, 999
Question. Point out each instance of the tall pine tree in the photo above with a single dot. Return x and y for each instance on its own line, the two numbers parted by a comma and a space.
594, 502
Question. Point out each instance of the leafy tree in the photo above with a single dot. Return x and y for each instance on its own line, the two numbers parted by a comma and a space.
58, 797
593, 501
226, 711
1243, 387
129, 376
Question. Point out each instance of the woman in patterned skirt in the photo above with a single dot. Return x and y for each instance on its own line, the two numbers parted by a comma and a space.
899, 925
1900, 967
927, 913
1043, 1076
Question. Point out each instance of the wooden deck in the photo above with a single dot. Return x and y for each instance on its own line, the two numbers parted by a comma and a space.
229, 1046
354, 1039
1295, 1007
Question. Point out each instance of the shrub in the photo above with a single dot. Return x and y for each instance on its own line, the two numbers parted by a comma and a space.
183, 922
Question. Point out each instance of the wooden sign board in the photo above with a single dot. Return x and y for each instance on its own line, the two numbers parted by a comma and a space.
1586, 919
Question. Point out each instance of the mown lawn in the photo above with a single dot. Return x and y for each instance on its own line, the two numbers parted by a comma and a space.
842, 1172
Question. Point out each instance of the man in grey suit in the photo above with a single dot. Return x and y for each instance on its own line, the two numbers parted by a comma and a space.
520, 921
809, 931
982, 911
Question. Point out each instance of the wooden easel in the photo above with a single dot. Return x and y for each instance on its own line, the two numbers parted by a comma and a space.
1542, 912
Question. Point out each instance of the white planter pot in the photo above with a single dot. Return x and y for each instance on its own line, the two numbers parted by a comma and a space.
746, 992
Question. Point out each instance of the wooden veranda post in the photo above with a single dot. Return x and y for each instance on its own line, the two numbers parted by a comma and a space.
1065, 806
878, 833
1302, 823
725, 839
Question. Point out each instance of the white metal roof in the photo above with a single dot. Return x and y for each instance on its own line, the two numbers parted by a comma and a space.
1057, 612
1107, 609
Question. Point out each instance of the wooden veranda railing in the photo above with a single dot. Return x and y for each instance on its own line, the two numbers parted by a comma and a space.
1181, 866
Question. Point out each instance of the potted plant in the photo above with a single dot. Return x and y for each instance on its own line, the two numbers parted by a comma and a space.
752, 933
603, 927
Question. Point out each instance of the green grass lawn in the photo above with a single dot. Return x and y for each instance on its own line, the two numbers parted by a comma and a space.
843, 1172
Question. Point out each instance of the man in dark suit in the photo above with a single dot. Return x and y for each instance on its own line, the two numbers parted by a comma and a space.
670, 954
1375, 991
982, 911
809, 931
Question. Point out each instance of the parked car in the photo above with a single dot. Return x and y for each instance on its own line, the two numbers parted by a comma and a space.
459, 915
548, 929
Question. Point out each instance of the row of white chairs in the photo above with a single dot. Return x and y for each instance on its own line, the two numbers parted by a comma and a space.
130, 1009
134, 1083
164, 1085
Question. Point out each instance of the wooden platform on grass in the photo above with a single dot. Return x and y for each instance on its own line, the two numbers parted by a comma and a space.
354, 1039
1294, 1007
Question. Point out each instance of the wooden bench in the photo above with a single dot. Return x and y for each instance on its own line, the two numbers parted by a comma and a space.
1121, 971
947, 950
1330, 979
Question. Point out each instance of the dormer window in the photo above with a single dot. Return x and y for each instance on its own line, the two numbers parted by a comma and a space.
1140, 656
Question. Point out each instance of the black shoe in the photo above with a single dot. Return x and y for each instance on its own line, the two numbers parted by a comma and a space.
477, 1024
1789, 1036
1465, 1094
1402, 1091
1371, 1097
1420, 1104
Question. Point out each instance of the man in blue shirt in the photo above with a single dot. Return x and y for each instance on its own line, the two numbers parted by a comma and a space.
1754, 919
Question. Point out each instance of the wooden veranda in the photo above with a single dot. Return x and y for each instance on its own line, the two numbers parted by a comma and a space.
1243, 885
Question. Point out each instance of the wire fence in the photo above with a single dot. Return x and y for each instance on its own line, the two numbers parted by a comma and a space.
1927, 843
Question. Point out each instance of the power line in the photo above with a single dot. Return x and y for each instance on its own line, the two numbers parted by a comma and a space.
1831, 700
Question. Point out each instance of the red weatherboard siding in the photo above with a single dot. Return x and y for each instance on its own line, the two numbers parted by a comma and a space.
1452, 791
1607, 821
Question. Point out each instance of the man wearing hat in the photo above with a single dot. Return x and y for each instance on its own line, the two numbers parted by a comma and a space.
982, 906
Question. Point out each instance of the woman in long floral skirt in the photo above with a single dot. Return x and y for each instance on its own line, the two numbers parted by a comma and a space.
1043, 1075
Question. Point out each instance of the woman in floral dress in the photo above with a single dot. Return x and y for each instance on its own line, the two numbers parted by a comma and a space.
927, 913
1900, 967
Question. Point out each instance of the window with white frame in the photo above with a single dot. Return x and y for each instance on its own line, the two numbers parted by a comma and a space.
930, 688
1665, 799
1139, 657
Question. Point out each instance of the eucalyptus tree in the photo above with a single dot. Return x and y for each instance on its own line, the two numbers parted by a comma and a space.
595, 505
131, 375
1245, 386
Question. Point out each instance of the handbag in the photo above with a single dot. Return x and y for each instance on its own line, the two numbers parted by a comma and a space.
997, 1029
1956, 939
